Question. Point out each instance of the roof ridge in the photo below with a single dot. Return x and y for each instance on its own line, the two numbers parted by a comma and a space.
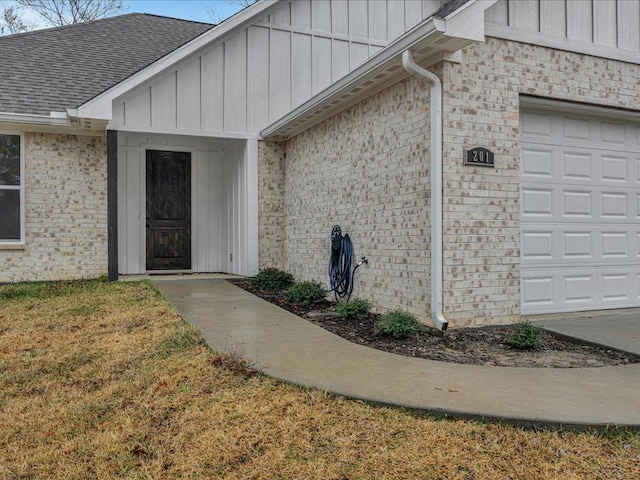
99, 20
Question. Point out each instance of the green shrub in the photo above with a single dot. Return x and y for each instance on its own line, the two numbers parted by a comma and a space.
355, 309
398, 324
272, 279
306, 294
525, 336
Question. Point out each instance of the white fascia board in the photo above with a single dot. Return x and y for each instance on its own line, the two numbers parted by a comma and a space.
56, 118
380, 61
467, 22
100, 106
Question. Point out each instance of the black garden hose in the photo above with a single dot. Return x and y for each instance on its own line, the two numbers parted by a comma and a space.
340, 273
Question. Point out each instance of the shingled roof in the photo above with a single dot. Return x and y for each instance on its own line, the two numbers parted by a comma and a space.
60, 68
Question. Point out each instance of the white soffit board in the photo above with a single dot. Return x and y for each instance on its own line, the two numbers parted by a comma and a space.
580, 209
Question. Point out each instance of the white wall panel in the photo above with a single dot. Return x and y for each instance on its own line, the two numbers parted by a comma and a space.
359, 19
220, 196
553, 18
604, 23
580, 20
301, 68
241, 83
340, 66
282, 16
340, 16
628, 24
321, 16
604, 28
188, 97
395, 12
138, 109
526, 15
301, 14
235, 83
321, 64
280, 78
359, 53
258, 80
413, 14
378, 20
213, 98
163, 103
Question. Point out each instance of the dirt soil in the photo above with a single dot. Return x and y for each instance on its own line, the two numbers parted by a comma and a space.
472, 346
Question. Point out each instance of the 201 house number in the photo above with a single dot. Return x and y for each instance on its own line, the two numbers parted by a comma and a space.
479, 156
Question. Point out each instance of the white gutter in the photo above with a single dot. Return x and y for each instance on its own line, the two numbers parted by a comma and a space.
54, 119
436, 186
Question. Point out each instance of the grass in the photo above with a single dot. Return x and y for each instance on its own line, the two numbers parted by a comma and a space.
101, 380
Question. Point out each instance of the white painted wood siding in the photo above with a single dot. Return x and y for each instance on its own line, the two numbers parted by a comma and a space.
223, 197
241, 83
604, 28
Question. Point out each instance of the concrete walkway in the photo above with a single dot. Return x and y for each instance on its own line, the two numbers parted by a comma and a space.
618, 332
288, 347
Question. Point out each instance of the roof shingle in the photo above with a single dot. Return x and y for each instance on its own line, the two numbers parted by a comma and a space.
64, 67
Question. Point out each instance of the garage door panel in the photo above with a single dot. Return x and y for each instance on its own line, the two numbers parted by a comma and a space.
614, 133
580, 131
571, 245
567, 204
537, 163
616, 169
580, 212
567, 166
577, 166
556, 290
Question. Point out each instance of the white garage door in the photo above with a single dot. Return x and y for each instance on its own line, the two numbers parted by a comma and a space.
580, 212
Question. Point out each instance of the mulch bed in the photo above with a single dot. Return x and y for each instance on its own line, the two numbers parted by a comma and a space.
472, 346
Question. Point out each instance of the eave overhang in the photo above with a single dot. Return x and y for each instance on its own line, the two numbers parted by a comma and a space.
433, 40
55, 119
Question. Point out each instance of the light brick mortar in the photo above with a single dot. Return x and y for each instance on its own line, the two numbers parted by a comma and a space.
271, 209
66, 210
366, 170
482, 206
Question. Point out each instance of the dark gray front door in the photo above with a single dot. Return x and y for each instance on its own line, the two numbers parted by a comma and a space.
168, 210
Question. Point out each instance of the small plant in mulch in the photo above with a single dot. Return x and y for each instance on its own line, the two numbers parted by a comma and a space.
272, 279
398, 324
355, 309
306, 294
525, 336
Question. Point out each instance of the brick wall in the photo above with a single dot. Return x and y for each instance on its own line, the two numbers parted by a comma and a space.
66, 210
482, 206
271, 209
365, 169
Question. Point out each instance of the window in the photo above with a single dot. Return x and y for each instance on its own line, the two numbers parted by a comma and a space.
11, 189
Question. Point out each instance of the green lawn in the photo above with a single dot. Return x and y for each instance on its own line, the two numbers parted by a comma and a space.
105, 380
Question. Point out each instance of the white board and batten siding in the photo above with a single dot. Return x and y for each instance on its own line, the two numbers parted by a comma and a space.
222, 234
239, 85
604, 28
580, 212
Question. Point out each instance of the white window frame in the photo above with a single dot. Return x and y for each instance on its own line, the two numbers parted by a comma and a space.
17, 244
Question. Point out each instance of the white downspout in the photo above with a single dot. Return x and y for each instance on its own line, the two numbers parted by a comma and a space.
436, 185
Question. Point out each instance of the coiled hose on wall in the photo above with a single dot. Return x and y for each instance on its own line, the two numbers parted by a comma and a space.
340, 273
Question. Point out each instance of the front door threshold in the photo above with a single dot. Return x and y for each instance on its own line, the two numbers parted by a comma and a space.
168, 272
